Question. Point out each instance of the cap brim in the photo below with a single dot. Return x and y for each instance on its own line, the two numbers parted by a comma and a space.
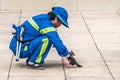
65, 23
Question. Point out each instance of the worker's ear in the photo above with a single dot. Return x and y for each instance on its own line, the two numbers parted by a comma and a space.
55, 20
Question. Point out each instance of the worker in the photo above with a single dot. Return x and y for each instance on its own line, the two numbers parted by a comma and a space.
39, 34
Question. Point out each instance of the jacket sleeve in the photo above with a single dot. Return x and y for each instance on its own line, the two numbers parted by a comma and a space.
58, 44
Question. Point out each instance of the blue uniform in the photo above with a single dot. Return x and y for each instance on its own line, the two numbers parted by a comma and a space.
39, 36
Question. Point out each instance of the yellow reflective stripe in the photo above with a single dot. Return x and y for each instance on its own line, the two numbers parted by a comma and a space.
46, 30
33, 23
25, 48
43, 49
43, 31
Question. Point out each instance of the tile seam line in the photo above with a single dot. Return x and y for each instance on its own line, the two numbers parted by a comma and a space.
65, 76
97, 46
0, 5
12, 55
118, 12
10, 68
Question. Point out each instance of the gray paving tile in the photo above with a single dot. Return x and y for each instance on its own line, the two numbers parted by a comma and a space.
26, 14
75, 18
103, 24
36, 78
89, 78
3, 78
53, 69
105, 31
5, 59
87, 55
101, 13
114, 68
53, 66
75, 34
107, 38
89, 69
6, 28
117, 78
81, 43
109, 41
5, 53
9, 17
111, 55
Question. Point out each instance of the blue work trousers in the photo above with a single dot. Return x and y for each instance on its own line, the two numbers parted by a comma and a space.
36, 50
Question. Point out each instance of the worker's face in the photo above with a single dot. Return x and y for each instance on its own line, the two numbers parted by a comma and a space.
56, 22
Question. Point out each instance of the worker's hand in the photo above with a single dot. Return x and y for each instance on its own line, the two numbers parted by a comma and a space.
72, 60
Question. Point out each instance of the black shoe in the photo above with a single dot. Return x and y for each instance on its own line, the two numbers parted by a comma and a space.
30, 65
27, 60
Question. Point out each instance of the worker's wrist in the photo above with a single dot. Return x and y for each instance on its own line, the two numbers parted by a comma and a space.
68, 56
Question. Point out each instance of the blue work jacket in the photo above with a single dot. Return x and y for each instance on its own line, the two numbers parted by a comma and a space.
44, 21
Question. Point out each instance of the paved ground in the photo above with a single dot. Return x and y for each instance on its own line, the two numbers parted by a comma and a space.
93, 35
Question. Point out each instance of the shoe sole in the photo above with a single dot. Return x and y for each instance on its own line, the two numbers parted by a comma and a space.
36, 68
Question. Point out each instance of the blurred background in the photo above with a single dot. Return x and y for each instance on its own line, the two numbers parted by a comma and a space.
69, 4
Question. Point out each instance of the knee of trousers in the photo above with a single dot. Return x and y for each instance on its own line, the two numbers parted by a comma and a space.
40, 54
44, 50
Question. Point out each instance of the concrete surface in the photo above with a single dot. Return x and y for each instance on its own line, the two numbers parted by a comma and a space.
93, 35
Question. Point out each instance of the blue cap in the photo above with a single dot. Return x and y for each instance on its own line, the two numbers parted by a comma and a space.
61, 14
